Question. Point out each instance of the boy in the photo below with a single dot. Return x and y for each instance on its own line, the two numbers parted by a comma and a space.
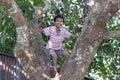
54, 45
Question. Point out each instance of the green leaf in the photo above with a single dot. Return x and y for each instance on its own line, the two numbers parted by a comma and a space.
39, 2
31, 2
66, 4
79, 1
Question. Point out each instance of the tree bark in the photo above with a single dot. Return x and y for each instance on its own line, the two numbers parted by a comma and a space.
29, 50
93, 32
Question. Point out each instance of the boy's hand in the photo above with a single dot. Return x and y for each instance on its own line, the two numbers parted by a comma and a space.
74, 36
29, 30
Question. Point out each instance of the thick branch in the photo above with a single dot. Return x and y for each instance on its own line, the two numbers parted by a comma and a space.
92, 34
15, 12
1, 3
103, 10
113, 34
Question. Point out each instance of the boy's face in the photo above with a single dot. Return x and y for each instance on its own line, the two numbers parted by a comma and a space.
59, 22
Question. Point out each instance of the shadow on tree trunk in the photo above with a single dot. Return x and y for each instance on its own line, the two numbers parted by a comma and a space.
88, 78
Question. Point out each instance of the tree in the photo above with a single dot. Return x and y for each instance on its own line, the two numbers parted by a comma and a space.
93, 33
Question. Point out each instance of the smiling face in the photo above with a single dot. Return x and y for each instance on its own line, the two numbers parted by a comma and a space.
58, 22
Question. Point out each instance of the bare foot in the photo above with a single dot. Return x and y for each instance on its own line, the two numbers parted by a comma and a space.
57, 75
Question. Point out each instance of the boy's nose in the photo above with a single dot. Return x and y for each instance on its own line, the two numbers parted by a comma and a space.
61, 23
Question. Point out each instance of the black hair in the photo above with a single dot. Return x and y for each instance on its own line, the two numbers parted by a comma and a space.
58, 16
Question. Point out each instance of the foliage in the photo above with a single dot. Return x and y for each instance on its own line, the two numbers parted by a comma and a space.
7, 32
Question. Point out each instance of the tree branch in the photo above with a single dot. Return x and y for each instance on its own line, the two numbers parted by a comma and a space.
1, 3
15, 12
113, 34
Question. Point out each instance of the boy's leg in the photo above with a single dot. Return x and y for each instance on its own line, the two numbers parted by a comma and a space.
54, 61
67, 56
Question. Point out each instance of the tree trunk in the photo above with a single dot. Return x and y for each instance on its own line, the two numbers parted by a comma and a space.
94, 31
29, 49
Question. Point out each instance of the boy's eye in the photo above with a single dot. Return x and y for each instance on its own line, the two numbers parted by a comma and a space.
59, 20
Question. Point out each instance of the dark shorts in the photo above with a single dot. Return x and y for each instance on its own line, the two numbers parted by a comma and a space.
58, 52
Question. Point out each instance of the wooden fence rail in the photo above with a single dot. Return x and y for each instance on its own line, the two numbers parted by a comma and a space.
10, 69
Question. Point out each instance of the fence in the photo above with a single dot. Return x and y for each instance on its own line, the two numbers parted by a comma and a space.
10, 69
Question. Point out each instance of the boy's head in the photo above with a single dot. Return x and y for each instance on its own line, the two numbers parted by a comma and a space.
59, 20
58, 16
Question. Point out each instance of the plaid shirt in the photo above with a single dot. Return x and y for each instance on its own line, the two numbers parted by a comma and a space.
55, 41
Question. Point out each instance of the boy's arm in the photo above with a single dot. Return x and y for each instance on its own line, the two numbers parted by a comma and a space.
73, 36
35, 30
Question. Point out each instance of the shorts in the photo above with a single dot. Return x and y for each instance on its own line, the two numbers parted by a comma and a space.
58, 52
